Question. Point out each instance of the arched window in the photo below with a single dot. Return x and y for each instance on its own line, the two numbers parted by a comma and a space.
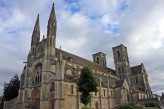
119, 70
37, 74
123, 76
35, 79
111, 93
118, 55
74, 72
136, 80
97, 60
103, 61
52, 86
37, 38
123, 69
128, 99
104, 92
95, 93
139, 88
72, 89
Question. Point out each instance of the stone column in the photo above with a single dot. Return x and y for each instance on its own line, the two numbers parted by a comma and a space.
100, 92
108, 94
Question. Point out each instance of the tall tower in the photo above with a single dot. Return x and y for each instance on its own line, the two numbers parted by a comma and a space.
100, 58
51, 33
121, 62
35, 37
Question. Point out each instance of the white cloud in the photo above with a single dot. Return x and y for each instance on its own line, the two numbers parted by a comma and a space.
82, 32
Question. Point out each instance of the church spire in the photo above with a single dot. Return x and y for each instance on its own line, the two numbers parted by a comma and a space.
51, 28
36, 33
51, 33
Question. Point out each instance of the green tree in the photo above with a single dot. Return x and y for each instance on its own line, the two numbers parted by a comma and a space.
86, 83
11, 89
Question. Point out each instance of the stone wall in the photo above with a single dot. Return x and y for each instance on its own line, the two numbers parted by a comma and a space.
10, 104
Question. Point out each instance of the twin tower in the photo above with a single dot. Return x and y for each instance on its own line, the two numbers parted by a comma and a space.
121, 61
51, 35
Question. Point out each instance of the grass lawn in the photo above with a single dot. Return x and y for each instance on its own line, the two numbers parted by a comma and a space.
152, 108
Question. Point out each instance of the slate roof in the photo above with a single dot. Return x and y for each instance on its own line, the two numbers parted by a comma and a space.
136, 69
119, 83
84, 62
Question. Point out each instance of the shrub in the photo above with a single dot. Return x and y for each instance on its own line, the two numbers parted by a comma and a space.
151, 105
125, 106
129, 106
87, 108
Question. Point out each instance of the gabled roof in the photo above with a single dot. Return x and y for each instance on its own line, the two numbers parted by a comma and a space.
84, 62
119, 83
136, 69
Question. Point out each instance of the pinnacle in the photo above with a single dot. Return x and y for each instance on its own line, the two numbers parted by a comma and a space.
53, 5
52, 14
37, 24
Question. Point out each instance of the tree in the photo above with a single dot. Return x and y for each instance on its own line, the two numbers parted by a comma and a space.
86, 83
11, 89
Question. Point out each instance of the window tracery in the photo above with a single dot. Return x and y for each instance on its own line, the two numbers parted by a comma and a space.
37, 74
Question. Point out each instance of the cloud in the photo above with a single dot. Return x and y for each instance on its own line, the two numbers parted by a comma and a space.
85, 28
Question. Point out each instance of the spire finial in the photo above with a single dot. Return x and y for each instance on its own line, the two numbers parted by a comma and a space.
53, 4
51, 28
37, 24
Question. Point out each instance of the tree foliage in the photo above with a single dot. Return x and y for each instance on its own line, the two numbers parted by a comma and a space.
10, 89
87, 83
129, 106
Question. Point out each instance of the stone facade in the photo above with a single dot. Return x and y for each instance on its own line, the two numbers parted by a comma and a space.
49, 78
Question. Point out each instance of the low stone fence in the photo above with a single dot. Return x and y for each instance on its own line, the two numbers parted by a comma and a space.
10, 104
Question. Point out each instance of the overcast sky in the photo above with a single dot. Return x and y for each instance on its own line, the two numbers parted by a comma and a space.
84, 28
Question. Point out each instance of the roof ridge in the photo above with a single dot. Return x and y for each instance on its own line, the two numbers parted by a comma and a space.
107, 68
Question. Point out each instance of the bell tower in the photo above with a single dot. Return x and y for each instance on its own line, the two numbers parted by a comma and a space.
121, 62
100, 58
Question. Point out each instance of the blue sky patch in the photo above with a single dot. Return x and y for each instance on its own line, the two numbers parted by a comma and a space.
114, 28
73, 5
123, 6
71, 1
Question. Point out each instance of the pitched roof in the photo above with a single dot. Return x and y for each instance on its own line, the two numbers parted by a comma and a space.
119, 83
134, 90
136, 69
84, 62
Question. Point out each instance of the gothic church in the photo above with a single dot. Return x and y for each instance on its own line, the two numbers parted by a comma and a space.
49, 78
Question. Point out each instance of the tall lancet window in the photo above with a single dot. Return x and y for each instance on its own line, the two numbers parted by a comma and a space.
72, 89
37, 74
123, 71
52, 86
97, 60
119, 70
118, 55
136, 80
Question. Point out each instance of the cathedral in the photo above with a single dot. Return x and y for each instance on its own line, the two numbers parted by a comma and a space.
49, 78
